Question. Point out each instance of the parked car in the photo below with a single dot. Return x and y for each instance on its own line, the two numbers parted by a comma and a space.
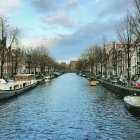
136, 84
123, 81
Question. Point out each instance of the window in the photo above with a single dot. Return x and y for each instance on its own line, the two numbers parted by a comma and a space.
138, 70
138, 49
138, 57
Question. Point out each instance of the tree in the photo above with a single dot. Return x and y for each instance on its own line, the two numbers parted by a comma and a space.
81, 65
3, 28
42, 58
136, 22
104, 57
90, 57
9, 36
28, 56
97, 60
126, 37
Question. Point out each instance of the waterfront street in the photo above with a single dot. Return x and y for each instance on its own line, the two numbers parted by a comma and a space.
67, 108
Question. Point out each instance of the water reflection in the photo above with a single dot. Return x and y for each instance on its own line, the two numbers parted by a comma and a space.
67, 108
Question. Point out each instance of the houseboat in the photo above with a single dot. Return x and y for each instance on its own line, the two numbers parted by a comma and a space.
21, 83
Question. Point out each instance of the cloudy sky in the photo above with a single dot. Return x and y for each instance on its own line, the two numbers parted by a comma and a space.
65, 27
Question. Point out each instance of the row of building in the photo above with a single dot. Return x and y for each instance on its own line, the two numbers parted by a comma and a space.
116, 62
14, 62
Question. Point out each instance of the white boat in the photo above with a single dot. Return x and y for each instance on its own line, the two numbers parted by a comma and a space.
47, 79
132, 102
22, 83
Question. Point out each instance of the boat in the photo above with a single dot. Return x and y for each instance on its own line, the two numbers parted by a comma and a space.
93, 83
132, 103
21, 83
47, 79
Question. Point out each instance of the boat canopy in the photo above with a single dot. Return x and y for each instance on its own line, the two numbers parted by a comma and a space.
2, 81
23, 77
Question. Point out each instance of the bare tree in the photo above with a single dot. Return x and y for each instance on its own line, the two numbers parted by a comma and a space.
114, 58
42, 58
50, 63
9, 36
135, 19
91, 57
126, 37
104, 56
34, 59
82, 64
28, 56
98, 60
3, 28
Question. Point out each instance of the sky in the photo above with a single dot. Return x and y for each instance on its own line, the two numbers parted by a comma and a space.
65, 27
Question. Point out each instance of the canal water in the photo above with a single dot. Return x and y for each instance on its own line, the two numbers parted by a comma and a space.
67, 108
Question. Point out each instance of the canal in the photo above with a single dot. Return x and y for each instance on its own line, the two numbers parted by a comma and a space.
67, 108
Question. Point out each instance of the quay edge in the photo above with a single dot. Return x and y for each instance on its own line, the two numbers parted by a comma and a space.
121, 91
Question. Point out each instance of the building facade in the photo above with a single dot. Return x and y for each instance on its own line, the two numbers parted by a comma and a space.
118, 62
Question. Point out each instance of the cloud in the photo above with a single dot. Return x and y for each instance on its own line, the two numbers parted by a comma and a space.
115, 8
72, 4
70, 46
88, 34
9, 8
43, 5
66, 44
36, 41
9, 4
60, 18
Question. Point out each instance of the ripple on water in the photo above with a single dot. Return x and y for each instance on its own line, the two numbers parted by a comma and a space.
67, 108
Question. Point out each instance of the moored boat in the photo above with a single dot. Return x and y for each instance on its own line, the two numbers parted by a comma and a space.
22, 83
132, 102
93, 83
47, 79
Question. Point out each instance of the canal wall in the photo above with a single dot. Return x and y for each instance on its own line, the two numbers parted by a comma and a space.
120, 90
